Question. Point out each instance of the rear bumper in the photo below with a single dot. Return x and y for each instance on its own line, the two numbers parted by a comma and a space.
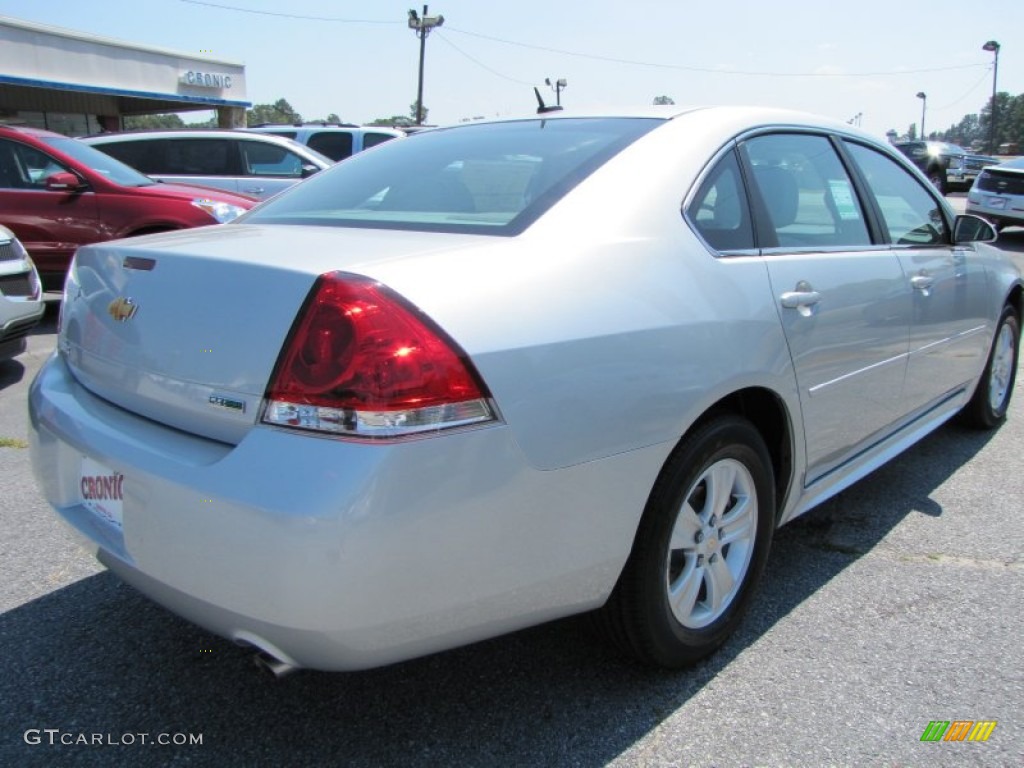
1011, 214
334, 554
13, 333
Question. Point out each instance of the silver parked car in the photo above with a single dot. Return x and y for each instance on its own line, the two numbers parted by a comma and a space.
21, 295
491, 375
253, 164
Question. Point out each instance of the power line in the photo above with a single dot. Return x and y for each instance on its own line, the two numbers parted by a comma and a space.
591, 56
971, 90
708, 70
481, 64
289, 15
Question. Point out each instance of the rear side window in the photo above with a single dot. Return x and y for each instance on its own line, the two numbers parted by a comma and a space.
373, 139
911, 214
198, 157
145, 156
804, 189
719, 209
337, 145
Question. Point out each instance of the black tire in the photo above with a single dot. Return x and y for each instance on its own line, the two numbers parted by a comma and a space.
677, 544
988, 406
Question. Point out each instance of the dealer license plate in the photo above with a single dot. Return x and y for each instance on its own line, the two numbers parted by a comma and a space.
999, 203
102, 491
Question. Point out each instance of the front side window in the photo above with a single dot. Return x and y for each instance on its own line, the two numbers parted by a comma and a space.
24, 167
719, 209
490, 178
806, 193
911, 214
264, 159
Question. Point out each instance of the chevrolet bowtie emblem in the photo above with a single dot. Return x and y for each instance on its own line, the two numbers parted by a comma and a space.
122, 309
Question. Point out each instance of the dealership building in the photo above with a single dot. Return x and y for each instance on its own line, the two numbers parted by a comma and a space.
76, 83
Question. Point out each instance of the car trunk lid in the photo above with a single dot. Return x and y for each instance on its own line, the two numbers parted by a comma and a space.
185, 328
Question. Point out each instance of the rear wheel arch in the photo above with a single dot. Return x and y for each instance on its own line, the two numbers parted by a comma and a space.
703, 540
766, 411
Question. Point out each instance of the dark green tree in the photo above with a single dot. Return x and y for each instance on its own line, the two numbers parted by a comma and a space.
399, 121
278, 112
142, 122
209, 123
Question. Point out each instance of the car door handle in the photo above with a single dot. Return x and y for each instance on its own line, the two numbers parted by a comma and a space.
254, 191
800, 299
922, 282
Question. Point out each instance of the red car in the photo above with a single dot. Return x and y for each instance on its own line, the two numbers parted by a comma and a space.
57, 193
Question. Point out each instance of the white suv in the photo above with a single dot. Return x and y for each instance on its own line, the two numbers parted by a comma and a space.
236, 161
335, 141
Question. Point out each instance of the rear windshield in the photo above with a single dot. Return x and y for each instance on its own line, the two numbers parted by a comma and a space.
490, 179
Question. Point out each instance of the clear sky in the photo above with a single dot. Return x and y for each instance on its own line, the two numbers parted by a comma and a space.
359, 59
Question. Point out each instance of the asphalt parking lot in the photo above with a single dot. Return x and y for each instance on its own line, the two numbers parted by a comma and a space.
898, 603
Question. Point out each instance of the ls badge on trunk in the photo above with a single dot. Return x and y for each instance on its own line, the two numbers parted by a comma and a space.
122, 309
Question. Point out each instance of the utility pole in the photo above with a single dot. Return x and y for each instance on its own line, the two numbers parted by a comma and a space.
924, 103
993, 47
422, 26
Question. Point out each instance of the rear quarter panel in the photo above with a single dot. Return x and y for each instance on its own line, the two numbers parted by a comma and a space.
607, 326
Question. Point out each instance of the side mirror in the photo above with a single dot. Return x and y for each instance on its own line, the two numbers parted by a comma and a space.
63, 182
308, 170
968, 228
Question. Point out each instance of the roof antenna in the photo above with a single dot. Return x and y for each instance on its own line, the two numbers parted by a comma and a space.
541, 106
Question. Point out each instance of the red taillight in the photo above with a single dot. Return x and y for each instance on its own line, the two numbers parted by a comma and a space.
362, 361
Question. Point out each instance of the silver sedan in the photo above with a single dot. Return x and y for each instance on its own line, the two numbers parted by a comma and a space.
505, 372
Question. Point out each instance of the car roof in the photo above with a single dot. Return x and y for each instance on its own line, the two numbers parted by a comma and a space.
179, 133
308, 128
319, 127
100, 139
738, 116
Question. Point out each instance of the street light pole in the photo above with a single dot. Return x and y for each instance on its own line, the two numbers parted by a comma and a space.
558, 85
924, 103
422, 27
992, 46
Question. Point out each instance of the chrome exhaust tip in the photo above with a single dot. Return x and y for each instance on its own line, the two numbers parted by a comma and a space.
274, 666
267, 656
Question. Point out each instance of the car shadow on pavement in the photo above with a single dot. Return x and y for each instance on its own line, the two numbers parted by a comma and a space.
11, 372
96, 657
